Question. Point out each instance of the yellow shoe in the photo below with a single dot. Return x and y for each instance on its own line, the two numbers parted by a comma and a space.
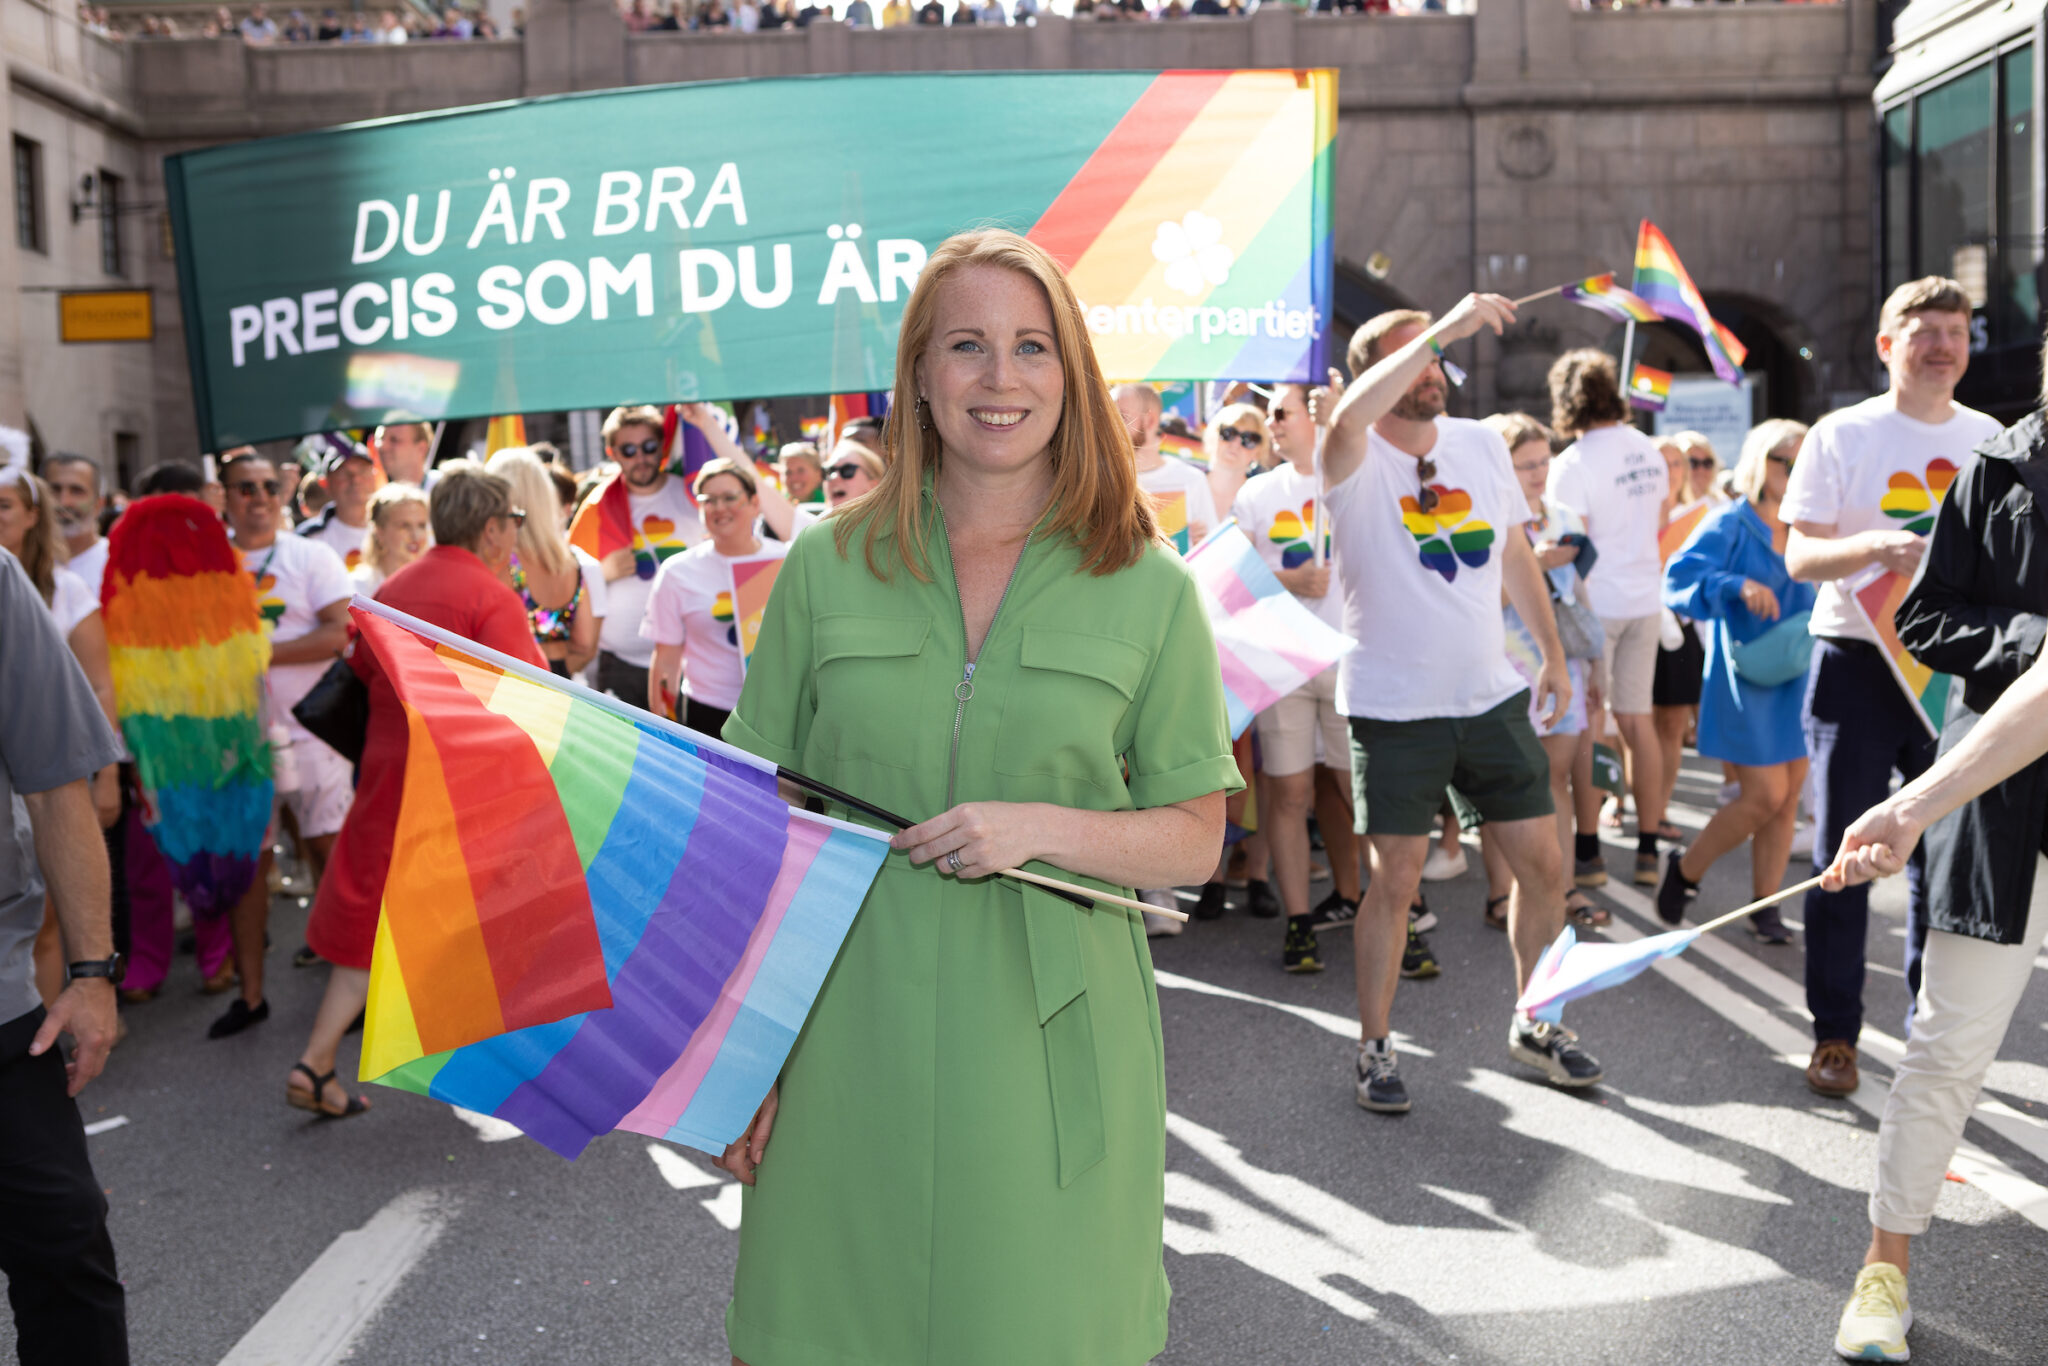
1877, 1317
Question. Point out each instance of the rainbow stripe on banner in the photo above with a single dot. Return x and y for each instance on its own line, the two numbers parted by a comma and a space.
1649, 388
593, 920
1157, 220
1878, 596
1662, 282
1600, 293
1267, 643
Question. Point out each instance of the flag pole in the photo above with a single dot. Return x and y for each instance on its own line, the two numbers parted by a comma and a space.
1773, 899
1541, 294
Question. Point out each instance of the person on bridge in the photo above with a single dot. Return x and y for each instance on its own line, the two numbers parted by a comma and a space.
968, 1140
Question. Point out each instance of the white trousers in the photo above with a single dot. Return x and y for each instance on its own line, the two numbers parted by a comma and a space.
1969, 989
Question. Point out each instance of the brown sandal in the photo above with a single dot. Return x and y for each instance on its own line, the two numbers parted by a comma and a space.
314, 1099
1495, 919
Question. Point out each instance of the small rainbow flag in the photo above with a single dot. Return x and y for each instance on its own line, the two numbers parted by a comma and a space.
814, 428
1267, 643
594, 920
1600, 293
503, 433
1188, 448
1649, 388
1878, 598
189, 654
1679, 529
752, 582
1662, 282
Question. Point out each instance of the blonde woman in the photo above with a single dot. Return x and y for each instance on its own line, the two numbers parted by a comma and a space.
553, 582
1702, 469
399, 534
1237, 442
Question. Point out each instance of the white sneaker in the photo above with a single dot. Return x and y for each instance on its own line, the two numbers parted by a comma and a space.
1877, 1318
1442, 867
1161, 926
1802, 840
1729, 792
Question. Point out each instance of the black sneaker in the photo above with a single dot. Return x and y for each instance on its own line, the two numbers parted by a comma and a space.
1260, 901
240, 1015
1333, 912
1300, 954
1379, 1081
1421, 919
1674, 893
1209, 906
1769, 927
305, 957
1554, 1051
1416, 959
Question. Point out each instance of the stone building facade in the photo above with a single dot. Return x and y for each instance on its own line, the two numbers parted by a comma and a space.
1511, 150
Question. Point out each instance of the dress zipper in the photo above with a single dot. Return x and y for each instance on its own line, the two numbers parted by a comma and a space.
963, 691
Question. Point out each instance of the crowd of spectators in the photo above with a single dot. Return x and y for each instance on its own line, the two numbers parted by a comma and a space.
259, 28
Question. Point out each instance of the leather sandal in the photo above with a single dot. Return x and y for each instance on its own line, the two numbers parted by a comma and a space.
1581, 911
315, 1099
1496, 913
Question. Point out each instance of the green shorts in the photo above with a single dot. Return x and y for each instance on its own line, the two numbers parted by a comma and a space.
1493, 760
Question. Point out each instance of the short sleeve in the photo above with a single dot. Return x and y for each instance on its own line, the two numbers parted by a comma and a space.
327, 580
1813, 491
65, 736
777, 703
1568, 484
597, 594
1514, 507
664, 623
503, 625
1201, 502
1180, 746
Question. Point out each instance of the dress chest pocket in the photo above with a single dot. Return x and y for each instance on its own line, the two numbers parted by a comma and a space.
1067, 706
870, 671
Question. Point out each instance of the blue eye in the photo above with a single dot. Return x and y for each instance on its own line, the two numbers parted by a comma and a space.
966, 346
1032, 346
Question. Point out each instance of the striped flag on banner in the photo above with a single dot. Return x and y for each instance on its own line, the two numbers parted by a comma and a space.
1266, 641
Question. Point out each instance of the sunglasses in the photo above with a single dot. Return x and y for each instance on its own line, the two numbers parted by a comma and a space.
1247, 438
1426, 498
1703, 462
845, 471
249, 488
516, 516
1780, 461
630, 449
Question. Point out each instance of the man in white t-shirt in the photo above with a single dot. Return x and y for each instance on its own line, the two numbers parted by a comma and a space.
348, 473
664, 523
1425, 514
74, 482
1615, 479
1861, 501
403, 449
1179, 491
1279, 512
302, 593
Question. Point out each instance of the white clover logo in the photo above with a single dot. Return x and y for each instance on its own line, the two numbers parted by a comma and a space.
1193, 253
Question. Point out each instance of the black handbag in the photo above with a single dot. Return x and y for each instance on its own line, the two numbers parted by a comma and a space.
337, 711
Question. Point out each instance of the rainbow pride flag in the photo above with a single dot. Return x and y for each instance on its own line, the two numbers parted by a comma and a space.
604, 524
1601, 294
1156, 222
752, 582
1171, 510
846, 407
1878, 596
594, 919
1662, 282
1188, 448
189, 655
503, 433
1649, 388
1267, 643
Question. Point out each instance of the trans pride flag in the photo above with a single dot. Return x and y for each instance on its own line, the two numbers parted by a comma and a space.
1266, 641
1569, 970
1662, 282
593, 920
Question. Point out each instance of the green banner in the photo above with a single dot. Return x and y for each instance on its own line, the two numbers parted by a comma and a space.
740, 239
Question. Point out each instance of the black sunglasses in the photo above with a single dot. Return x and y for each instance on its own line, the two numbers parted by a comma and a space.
1426, 498
1703, 462
249, 488
630, 449
1248, 438
845, 471
1779, 460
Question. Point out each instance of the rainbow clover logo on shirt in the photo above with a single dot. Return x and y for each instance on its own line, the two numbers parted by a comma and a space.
1448, 533
721, 611
268, 603
1915, 503
656, 540
1290, 531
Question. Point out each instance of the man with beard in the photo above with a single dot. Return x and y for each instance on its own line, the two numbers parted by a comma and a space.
664, 523
74, 484
1425, 517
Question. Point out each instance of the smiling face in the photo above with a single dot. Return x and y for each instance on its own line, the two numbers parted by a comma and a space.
800, 477
76, 494
1929, 350
992, 371
637, 448
403, 533
252, 500
350, 486
728, 509
847, 476
17, 515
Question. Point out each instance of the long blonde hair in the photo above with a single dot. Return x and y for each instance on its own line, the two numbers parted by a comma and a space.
42, 550
1095, 499
375, 553
542, 542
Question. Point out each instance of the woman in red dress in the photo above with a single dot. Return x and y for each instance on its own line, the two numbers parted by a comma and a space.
455, 586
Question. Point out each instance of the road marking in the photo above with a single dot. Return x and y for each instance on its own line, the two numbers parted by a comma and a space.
679, 1171
318, 1320
1793, 1046
489, 1128
100, 1126
1343, 1026
725, 1206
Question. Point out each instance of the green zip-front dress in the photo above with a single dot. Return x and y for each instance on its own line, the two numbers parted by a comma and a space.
968, 1165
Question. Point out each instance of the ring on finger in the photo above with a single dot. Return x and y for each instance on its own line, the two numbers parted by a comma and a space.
953, 861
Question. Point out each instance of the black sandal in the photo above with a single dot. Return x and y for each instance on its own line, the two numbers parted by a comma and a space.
1497, 920
313, 1099
1584, 912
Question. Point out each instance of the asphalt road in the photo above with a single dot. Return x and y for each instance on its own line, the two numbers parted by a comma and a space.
1700, 1206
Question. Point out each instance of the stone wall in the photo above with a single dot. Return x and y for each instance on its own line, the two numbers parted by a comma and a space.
1508, 150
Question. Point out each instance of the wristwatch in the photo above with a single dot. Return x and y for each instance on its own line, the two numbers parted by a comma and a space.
109, 968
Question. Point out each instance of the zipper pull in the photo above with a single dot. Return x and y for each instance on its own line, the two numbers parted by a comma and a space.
964, 691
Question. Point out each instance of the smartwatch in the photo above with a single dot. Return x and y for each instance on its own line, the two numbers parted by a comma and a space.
109, 968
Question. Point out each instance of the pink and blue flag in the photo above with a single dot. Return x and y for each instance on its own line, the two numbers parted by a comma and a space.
1267, 643
1569, 969
595, 919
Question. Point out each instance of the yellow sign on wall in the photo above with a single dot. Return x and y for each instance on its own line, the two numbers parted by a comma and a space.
106, 315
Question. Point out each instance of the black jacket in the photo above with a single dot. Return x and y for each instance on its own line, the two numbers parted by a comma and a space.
1978, 609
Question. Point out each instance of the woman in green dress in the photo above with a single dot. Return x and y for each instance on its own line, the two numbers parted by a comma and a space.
964, 1160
